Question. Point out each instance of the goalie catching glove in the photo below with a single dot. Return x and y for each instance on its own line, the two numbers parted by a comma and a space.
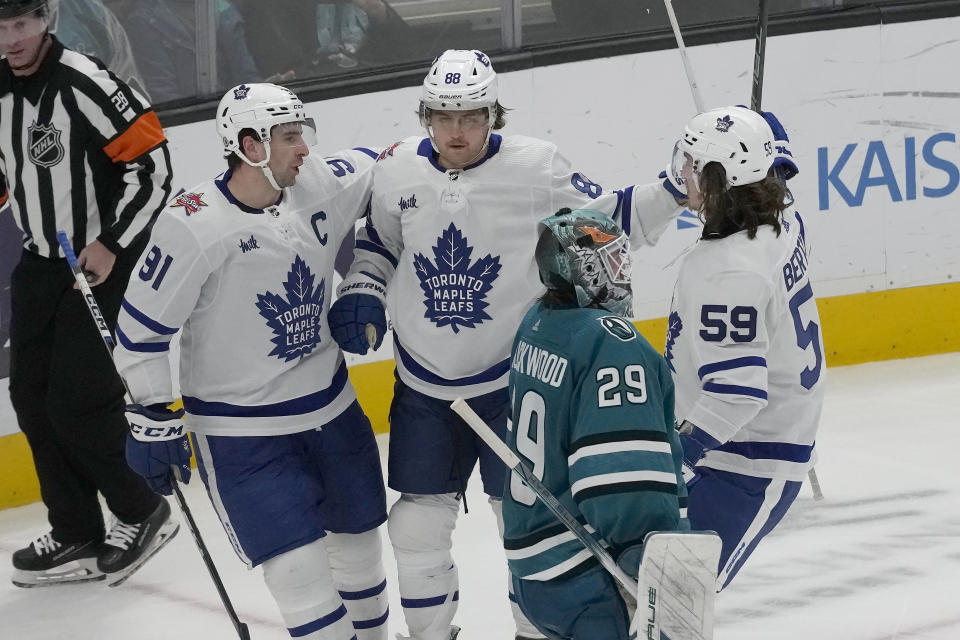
158, 445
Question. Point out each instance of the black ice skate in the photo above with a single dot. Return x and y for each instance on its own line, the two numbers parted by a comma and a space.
128, 546
46, 562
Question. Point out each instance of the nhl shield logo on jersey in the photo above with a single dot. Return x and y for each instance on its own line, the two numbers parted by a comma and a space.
191, 202
46, 150
294, 318
455, 290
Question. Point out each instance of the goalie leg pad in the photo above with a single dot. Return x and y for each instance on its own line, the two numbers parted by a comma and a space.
677, 586
356, 562
421, 532
301, 583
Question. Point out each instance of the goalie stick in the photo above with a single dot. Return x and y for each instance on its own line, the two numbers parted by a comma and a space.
109, 344
678, 571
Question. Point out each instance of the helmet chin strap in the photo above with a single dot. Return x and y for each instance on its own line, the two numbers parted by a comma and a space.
263, 165
267, 172
483, 148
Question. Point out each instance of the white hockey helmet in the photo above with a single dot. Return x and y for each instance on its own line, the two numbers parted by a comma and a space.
459, 80
736, 137
260, 107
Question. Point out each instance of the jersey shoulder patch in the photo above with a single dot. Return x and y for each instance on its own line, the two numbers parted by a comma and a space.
190, 202
388, 152
619, 328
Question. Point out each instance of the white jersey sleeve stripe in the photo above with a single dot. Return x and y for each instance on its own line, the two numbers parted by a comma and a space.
622, 477
147, 321
141, 347
561, 568
618, 447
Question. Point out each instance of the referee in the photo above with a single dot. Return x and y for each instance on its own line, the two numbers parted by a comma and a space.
82, 152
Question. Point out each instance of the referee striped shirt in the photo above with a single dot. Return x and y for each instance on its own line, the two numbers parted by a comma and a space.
80, 151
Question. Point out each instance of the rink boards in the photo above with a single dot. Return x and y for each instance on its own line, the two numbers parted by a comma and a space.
873, 133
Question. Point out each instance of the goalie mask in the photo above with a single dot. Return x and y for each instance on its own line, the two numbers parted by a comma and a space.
736, 137
586, 251
262, 108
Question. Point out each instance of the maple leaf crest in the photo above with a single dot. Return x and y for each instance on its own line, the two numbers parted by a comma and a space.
295, 317
455, 290
674, 327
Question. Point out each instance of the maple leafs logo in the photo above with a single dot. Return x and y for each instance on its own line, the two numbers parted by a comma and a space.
295, 319
674, 327
455, 290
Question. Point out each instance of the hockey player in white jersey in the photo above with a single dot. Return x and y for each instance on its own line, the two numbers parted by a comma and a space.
744, 340
242, 267
448, 248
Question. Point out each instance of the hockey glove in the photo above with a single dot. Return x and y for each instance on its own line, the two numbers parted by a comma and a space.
158, 445
349, 316
696, 443
783, 161
672, 176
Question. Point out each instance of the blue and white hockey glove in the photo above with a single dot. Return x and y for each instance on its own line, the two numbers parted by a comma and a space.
783, 162
672, 176
349, 316
696, 443
158, 441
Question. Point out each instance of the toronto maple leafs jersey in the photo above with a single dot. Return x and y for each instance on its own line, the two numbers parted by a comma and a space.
592, 415
250, 289
745, 346
457, 249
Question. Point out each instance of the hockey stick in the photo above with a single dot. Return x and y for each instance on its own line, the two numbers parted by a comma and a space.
516, 464
694, 89
109, 344
756, 99
760, 50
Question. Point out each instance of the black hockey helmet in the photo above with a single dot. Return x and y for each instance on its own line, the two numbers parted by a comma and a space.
16, 8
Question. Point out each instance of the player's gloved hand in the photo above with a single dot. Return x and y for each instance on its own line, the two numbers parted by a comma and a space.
696, 443
672, 176
158, 445
783, 161
349, 316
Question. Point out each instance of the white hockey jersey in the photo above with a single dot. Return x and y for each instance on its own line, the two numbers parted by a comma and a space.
745, 346
250, 289
457, 249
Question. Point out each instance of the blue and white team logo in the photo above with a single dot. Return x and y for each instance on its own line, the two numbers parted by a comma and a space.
455, 290
724, 124
295, 319
674, 327
240, 93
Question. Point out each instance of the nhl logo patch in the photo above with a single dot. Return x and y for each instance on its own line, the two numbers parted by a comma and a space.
45, 147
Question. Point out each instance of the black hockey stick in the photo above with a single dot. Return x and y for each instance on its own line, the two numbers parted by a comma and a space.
756, 99
760, 51
109, 344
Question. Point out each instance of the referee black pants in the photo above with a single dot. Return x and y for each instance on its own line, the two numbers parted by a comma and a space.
69, 399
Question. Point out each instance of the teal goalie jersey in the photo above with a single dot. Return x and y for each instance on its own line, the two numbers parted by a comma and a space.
592, 415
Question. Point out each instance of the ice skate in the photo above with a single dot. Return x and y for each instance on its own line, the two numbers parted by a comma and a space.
128, 546
45, 562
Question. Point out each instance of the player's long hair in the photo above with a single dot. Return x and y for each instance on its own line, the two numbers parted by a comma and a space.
499, 115
726, 211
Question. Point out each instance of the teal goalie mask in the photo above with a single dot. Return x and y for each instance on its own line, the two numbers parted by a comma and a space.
586, 252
